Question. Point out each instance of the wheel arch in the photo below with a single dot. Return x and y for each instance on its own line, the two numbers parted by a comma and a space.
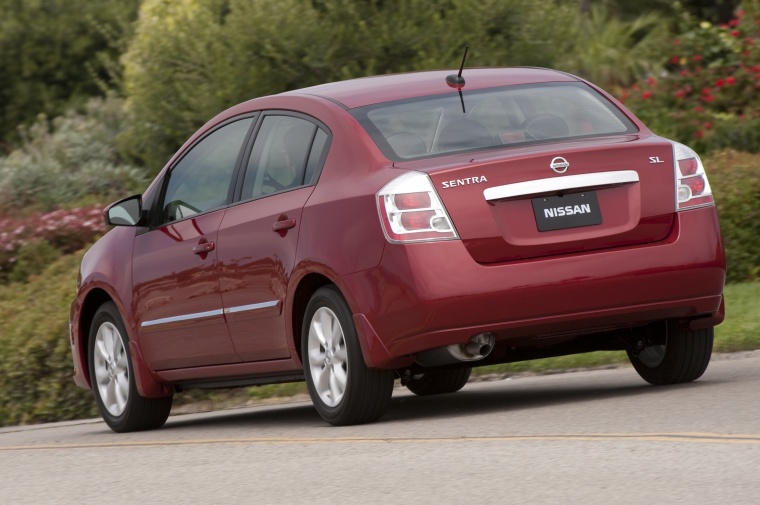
92, 302
306, 288
148, 385
373, 350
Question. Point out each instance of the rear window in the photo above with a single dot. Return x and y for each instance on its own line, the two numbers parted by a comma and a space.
508, 116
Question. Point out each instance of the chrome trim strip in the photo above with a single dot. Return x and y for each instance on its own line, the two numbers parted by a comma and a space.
254, 306
184, 317
541, 186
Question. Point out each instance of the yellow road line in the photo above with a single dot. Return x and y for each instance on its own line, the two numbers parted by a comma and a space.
698, 438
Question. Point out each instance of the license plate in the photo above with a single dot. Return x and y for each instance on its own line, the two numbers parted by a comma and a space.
567, 211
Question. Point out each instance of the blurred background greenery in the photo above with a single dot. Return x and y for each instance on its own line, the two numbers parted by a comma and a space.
95, 96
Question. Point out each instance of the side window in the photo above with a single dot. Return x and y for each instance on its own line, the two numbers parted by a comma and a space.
283, 156
201, 180
315, 156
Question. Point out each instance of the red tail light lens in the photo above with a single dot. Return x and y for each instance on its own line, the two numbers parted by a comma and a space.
411, 201
416, 221
410, 210
696, 184
688, 166
692, 187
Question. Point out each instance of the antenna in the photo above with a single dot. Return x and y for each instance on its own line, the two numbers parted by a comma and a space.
456, 81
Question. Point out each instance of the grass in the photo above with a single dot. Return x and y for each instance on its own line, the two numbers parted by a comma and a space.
741, 329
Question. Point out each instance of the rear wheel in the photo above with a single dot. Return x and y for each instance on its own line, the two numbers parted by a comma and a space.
112, 377
342, 388
438, 382
682, 356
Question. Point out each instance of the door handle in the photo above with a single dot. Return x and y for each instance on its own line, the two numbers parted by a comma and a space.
204, 248
282, 226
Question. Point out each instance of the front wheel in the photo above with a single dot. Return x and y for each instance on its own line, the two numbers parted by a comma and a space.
112, 377
682, 356
344, 391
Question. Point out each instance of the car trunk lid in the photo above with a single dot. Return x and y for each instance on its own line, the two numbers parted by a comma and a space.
574, 196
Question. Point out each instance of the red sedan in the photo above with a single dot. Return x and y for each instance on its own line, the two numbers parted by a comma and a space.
405, 227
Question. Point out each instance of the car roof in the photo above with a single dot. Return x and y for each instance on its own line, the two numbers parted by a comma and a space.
385, 88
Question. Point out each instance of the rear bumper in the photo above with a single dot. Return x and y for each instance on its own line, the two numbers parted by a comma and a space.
424, 296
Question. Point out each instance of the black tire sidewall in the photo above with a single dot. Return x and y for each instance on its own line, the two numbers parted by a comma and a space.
437, 382
328, 298
351, 409
687, 354
108, 313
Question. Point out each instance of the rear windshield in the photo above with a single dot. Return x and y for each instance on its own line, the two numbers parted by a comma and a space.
508, 116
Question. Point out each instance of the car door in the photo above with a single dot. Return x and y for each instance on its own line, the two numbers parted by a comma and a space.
258, 235
176, 284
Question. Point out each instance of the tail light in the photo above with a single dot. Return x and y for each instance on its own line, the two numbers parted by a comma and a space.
692, 188
410, 210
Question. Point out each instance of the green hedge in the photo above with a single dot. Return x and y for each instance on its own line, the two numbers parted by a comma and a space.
35, 356
735, 181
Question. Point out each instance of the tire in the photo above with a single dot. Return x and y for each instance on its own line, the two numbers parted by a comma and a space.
682, 357
344, 391
113, 380
437, 382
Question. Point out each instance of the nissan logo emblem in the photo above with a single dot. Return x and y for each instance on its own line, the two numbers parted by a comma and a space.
559, 165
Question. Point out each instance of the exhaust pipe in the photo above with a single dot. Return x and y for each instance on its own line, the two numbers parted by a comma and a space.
477, 348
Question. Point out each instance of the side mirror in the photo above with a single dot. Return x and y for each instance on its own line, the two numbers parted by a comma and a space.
126, 212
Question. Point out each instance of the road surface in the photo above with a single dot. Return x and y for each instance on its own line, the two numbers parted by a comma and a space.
601, 436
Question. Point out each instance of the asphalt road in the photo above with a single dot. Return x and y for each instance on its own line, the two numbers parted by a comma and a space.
589, 437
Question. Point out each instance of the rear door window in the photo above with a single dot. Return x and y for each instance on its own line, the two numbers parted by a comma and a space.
287, 154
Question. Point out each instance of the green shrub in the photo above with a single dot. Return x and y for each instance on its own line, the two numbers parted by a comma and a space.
31, 259
735, 181
35, 356
708, 97
67, 159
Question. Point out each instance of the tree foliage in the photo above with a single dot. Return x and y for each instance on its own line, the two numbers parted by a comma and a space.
46, 47
191, 59
611, 51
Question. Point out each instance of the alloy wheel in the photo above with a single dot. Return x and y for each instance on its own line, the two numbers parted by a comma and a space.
328, 357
